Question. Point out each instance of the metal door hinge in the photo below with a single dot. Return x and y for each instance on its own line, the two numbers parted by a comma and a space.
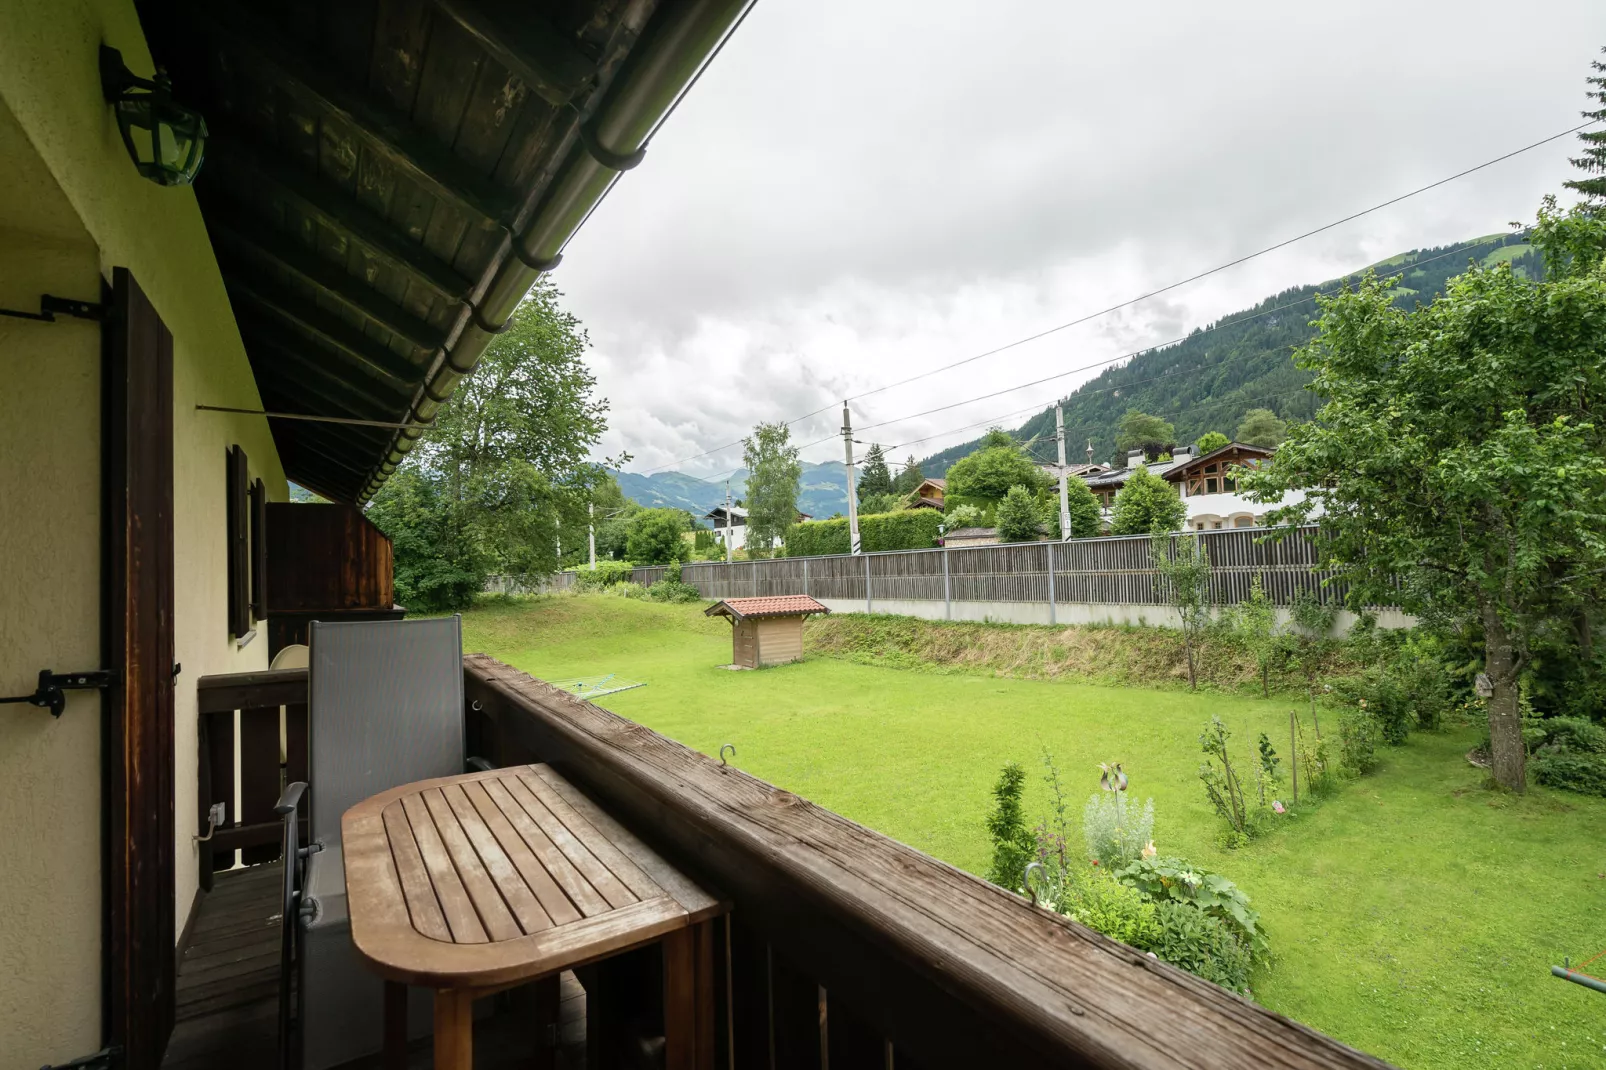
50, 305
53, 687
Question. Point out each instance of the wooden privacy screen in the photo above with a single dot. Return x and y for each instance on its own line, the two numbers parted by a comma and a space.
324, 562
138, 483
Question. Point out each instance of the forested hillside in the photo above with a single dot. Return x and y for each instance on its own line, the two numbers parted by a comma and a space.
1243, 361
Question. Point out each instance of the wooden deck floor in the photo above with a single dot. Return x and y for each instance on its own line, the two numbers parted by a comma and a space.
228, 990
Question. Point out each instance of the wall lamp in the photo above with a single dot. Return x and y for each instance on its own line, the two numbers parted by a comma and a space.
165, 139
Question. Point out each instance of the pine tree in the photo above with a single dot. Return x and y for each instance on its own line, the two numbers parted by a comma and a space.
908, 479
876, 478
1261, 427
1593, 161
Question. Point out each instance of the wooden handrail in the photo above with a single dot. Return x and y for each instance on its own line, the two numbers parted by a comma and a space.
923, 958
265, 689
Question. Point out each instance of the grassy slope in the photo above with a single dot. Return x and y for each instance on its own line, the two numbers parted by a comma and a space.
1414, 915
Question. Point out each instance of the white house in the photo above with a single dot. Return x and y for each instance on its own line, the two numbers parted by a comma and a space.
1204, 482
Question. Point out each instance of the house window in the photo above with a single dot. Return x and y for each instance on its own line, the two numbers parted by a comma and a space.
1210, 485
247, 547
1243, 522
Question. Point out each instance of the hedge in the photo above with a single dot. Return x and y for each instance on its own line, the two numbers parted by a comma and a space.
907, 529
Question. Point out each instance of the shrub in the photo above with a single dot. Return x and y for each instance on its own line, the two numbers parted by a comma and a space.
906, 529
1203, 945
1012, 841
1096, 899
703, 540
1174, 880
655, 536
1575, 733
1380, 694
964, 515
606, 574
1571, 770
1116, 828
1357, 734
1223, 786
627, 589
1017, 516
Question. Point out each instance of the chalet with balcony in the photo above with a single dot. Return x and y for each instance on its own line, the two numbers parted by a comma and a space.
244, 244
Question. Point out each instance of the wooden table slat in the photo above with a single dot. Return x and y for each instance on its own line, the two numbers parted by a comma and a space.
553, 901
596, 874
580, 893
509, 881
422, 905
596, 839
482, 891
461, 917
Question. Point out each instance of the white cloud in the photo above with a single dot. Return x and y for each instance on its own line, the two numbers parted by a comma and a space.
855, 193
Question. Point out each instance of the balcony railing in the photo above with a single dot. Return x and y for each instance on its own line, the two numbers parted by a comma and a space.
845, 948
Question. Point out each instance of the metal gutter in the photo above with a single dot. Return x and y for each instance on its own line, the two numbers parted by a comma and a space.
680, 38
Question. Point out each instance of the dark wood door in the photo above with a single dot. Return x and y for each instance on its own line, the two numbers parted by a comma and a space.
137, 392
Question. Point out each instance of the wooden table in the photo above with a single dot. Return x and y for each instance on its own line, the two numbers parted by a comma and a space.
477, 883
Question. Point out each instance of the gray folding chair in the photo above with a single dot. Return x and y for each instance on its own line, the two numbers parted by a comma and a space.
385, 708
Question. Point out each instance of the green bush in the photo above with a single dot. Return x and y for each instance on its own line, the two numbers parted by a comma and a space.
1570, 770
627, 589
908, 529
1017, 516
1575, 733
1174, 880
1117, 910
667, 590
606, 574
1357, 745
1203, 945
655, 536
1383, 696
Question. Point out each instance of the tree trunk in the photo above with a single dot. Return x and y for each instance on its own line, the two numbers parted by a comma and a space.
1187, 645
1507, 760
1265, 682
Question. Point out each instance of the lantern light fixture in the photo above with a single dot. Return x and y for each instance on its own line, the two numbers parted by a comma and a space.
165, 139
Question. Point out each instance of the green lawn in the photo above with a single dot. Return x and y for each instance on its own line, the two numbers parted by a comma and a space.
1414, 915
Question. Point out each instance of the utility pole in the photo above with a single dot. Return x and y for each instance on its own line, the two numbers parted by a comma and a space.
853, 499
1065, 500
728, 527
1090, 453
591, 532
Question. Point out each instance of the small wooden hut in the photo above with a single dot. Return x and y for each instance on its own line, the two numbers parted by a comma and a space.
766, 631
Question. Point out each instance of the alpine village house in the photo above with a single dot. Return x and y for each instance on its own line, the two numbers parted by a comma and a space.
244, 244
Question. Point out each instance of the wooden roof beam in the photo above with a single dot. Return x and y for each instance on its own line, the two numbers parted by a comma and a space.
526, 44
389, 134
269, 355
258, 239
380, 365
344, 215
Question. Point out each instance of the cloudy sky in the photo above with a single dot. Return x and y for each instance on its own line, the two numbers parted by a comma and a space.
859, 192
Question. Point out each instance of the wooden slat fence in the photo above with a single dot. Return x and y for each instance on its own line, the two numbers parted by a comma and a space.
1105, 570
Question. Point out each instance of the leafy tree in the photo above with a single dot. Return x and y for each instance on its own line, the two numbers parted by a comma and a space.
986, 475
1211, 441
875, 479
908, 479
880, 503
1593, 161
1459, 461
436, 570
503, 469
1182, 571
1017, 516
773, 471
655, 536
1140, 431
1147, 505
1260, 427
996, 438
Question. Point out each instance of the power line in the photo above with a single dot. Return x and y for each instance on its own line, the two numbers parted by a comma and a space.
1163, 289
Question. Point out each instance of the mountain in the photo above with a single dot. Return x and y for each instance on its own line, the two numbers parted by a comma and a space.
1242, 361
822, 490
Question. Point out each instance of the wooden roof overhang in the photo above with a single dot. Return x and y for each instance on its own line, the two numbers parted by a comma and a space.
386, 178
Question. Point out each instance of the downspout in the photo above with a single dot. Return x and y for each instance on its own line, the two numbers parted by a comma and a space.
681, 38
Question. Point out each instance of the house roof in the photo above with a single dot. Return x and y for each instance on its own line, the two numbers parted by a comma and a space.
933, 481
1177, 470
786, 605
384, 181
1117, 476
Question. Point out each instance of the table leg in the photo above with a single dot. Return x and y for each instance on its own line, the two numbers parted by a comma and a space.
395, 1026
689, 999
454, 1029
538, 1004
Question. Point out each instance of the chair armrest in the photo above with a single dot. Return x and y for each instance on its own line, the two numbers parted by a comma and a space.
479, 765
291, 798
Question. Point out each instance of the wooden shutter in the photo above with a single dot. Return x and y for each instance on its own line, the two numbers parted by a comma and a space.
239, 521
138, 489
259, 550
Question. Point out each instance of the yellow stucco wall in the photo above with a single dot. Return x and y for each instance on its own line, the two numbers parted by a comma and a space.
72, 207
